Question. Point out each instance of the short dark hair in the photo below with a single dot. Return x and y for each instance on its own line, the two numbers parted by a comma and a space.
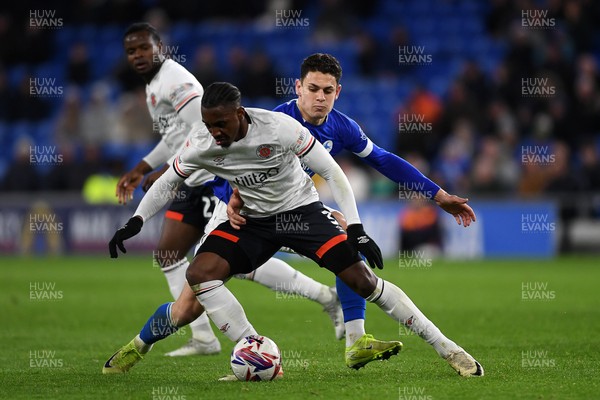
221, 94
142, 26
321, 62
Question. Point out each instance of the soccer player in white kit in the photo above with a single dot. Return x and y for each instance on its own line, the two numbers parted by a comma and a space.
257, 152
173, 98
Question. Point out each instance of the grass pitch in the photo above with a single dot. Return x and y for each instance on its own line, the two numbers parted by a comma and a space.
532, 324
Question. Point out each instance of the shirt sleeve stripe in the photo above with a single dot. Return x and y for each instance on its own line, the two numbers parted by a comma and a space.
367, 150
178, 170
307, 148
183, 102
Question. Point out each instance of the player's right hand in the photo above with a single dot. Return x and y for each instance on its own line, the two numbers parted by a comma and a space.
127, 185
233, 210
365, 245
130, 229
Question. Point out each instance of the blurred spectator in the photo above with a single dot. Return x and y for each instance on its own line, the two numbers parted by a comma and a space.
503, 88
459, 106
238, 64
532, 180
520, 57
588, 67
420, 230
69, 125
563, 186
133, 123
98, 117
38, 39
398, 38
26, 104
260, 76
205, 68
423, 109
9, 35
452, 165
78, 65
579, 25
5, 94
586, 108
590, 167
334, 22
367, 53
158, 18
494, 172
563, 127
71, 173
475, 83
21, 175
499, 17
557, 62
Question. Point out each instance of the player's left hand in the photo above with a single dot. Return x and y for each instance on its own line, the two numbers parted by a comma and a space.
457, 206
233, 210
365, 245
130, 229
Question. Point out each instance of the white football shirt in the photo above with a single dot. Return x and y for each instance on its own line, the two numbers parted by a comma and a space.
171, 89
264, 165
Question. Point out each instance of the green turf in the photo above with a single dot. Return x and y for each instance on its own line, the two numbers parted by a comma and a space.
535, 349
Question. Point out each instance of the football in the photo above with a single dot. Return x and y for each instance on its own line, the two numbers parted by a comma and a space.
256, 358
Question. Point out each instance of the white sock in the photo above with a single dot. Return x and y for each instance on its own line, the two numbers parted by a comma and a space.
175, 275
201, 329
224, 310
391, 299
355, 329
278, 275
141, 346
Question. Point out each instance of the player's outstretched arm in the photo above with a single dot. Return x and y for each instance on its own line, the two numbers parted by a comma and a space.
401, 171
457, 206
154, 200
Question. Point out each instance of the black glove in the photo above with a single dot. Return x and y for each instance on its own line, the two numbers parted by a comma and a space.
130, 229
365, 245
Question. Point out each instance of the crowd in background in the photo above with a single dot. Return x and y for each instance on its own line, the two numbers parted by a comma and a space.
479, 128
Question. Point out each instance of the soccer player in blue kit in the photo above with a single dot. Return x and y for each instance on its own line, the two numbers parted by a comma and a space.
317, 89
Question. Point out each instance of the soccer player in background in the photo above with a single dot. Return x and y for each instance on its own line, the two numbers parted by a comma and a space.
173, 99
260, 151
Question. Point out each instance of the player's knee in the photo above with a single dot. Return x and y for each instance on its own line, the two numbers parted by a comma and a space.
360, 279
207, 267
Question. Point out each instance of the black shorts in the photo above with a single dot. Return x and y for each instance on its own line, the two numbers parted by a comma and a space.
192, 205
309, 230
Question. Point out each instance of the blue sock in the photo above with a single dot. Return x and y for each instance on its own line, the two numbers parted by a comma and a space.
159, 326
353, 305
